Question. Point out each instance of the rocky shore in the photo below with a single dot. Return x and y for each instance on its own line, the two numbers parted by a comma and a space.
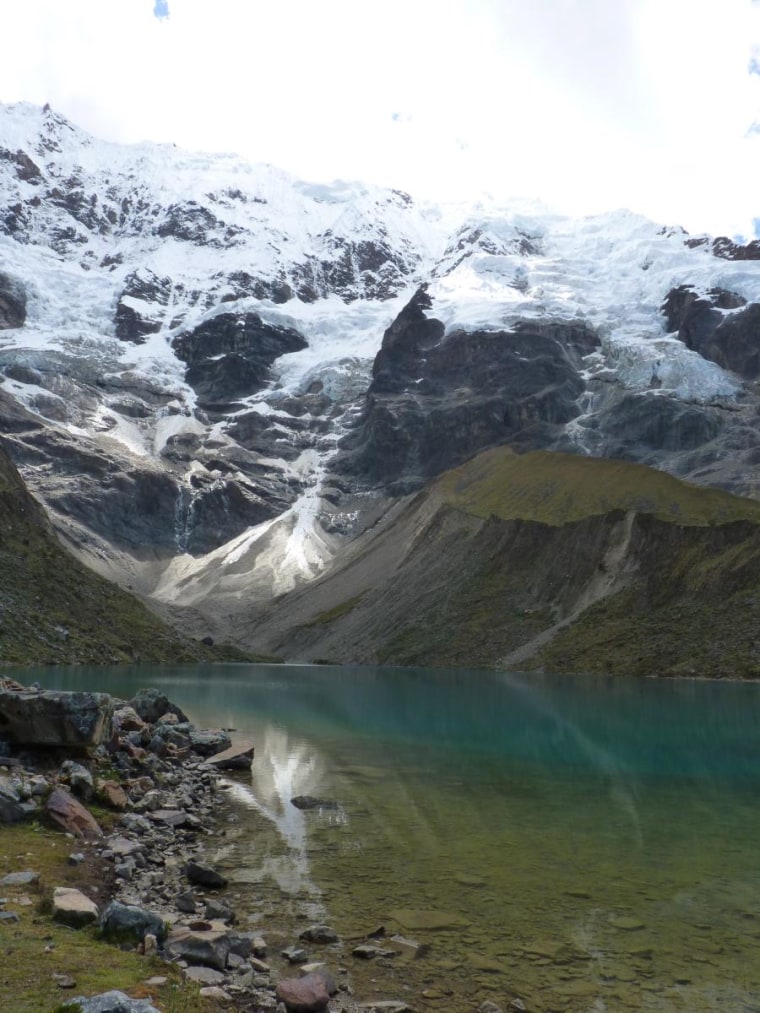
157, 784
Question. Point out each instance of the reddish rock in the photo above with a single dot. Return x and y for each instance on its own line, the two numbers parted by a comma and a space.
303, 995
70, 815
113, 795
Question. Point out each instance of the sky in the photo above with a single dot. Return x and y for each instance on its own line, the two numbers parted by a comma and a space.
588, 105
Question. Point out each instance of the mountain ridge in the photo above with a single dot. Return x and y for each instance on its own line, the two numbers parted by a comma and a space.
217, 377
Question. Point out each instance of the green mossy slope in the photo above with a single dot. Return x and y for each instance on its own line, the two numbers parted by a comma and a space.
546, 561
560, 488
54, 610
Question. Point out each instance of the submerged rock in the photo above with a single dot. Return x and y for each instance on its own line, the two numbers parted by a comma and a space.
310, 802
237, 757
203, 875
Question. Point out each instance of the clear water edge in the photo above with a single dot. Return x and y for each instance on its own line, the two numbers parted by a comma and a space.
584, 844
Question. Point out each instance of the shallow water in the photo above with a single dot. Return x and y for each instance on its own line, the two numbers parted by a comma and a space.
585, 844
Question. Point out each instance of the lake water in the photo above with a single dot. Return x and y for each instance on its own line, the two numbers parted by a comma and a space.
583, 844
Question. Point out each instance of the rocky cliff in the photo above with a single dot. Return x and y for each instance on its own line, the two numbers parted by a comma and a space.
544, 561
54, 610
216, 377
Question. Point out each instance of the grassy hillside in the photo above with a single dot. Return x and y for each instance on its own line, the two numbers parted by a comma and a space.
54, 610
560, 488
544, 561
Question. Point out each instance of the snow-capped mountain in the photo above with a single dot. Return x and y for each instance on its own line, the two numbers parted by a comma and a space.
213, 373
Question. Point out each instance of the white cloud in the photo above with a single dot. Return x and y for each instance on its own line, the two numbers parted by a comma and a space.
590, 104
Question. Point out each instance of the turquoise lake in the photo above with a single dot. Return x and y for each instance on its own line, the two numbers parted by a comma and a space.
582, 844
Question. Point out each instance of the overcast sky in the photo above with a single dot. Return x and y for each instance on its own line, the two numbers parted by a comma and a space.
587, 104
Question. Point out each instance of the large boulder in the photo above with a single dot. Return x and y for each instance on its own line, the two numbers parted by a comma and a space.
152, 704
54, 718
128, 922
73, 908
209, 947
229, 355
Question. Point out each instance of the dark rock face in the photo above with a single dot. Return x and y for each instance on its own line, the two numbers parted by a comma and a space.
12, 303
726, 248
56, 719
127, 921
139, 311
732, 340
26, 170
151, 704
643, 423
735, 343
229, 356
436, 400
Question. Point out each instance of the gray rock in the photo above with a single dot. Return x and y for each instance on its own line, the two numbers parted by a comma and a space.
209, 741
319, 934
366, 951
11, 810
185, 902
205, 975
55, 718
128, 921
113, 1002
208, 947
241, 943
79, 778
25, 878
237, 757
9, 916
216, 909
12, 303
294, 955
151, 704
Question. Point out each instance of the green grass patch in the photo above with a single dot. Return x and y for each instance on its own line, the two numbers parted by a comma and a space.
36, 948
560, 488
335, 613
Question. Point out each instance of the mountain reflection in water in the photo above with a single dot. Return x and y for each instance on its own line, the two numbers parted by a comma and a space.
585, 844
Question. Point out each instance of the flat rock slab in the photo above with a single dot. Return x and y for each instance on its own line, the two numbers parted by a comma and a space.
25, 878
416, 919
169, 817
113, 1002
71, 907
209, 947
237, 757
204, 975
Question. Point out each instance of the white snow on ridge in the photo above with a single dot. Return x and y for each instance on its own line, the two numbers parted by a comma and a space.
487, 265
